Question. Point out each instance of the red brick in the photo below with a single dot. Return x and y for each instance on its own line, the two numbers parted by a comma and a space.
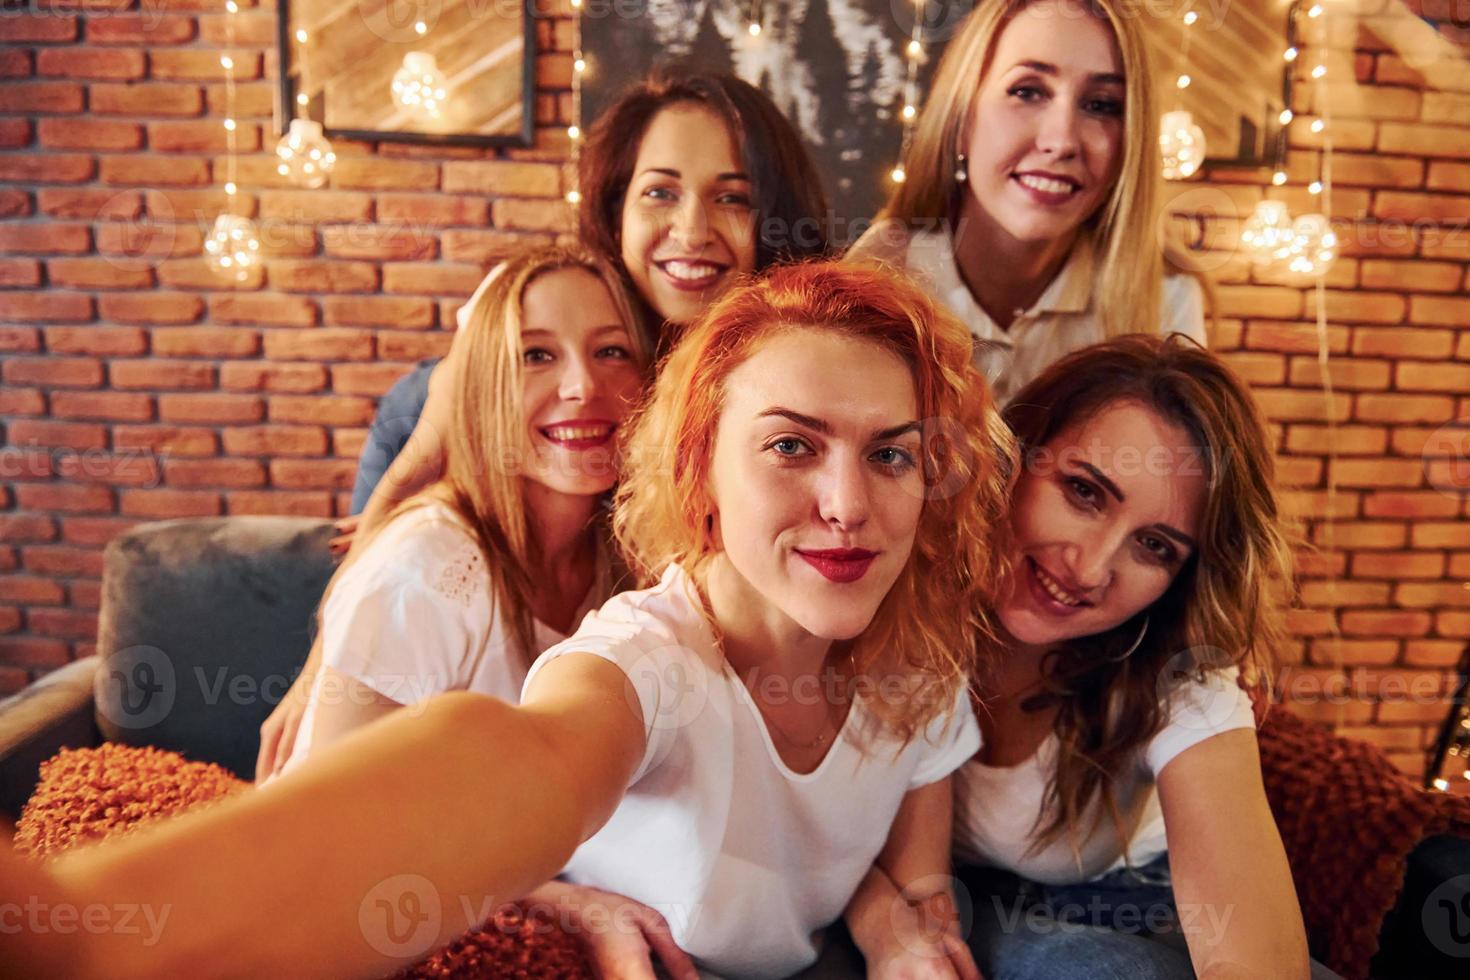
146, 99
66, 624
114, 405
167, 440
203, 64
348, 443
89, 134
1359, 307
93, 531
160, 374
1396, 407
97, 274
1258, 368
30, 590
313, 474
65, 435
1422, 504
213, 473
328, 343
85, 594
21, 401
164, 503
1398, 565
1314, 505
293, 503
1348, 440
1413, 139
90, 203
1356, 535
1366, 170
317, 276
205, 342
397, 346
497, 179
15, 63
1338, 595
9, 620
154, 306
1453, 624
1441, 535
37, 97
1432, 653
19, 272
524, 215
125, 469
431, 278
380, 242
277, 309
29, 651
1446, 176
1432, 594
1360, 622
1336, 652
276, 440
1289, 405
201, 136
1411, 276
378, 173
64, 498
68, 372
219, 408
365, 379
45, 239
47, 306
438, 210
39, 28
184, 171
1422, 376
26, 527
91, 63
264, 376
308, 207
145, 241
1445, 310
1425, 441
15, 134
1403, 341
19, 339
148, 29
96, 340
321, 409
196, 274
14, 203
257, 29
1445, 243
399, 312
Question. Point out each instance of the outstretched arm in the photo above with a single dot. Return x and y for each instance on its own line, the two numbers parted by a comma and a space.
416, 821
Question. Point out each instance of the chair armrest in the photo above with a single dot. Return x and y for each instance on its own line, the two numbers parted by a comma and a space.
53, 713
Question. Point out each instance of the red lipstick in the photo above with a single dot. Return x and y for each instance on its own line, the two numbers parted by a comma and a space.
840, 564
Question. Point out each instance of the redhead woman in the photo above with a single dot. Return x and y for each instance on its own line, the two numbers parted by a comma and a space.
749, 740
1031, 203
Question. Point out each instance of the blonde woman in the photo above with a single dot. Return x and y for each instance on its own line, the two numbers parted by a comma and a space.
463, 584
1031, 202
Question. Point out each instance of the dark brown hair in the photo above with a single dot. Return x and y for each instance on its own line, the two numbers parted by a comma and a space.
790, 205
1226, 605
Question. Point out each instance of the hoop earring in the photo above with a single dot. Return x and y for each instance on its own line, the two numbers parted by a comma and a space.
1136, 643
962, 169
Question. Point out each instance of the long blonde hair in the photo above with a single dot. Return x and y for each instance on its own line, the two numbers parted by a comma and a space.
1127, 228
487, 432
925, 628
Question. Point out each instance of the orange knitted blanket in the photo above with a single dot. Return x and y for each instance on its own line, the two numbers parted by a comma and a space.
1349, 819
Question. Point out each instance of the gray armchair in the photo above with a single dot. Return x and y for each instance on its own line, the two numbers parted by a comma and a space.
204, 624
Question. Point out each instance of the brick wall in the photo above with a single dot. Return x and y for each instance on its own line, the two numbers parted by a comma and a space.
137, 386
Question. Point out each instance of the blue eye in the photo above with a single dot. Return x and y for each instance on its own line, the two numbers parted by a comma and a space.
894, 459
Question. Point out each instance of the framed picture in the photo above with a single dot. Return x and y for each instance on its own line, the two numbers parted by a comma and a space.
423, 71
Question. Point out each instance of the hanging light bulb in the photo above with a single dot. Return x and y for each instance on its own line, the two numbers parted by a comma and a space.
897, 175
418, 87
1314, 245
232, 247
1182, 143
306, 158
1268, 235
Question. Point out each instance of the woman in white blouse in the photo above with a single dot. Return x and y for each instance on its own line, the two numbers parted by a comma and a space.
1030, 203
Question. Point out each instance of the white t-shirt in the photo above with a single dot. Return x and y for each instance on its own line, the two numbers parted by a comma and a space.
416, 615
996, 807
1063, 319
746, 859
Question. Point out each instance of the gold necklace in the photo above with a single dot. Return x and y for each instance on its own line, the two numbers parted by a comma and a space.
821, 736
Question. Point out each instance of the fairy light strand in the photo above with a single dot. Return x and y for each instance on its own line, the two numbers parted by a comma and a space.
574, 129
227, 60
909, 114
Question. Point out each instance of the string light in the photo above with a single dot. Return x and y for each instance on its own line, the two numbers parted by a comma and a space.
233, 246
753, 18
1318, 125
418, 86
1181, 140
910, 112
1290, 54
1286, 116
1278, 178
303, 154
574, 128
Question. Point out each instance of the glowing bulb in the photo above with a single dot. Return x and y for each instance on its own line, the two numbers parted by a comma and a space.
306, 158
226, 61
909, 112
232, 247
580, 65
897, 175
755, 29
1316, 10
232, 7
1278, 178
574, 197
1290, 54
1315, 187
302, 99
1286, 116
1441, 785
1183, 81
1319, 71
418, 87
230, 125
1182, 144
301, 35
230, 187
915, 49
1190, 18
1318, 125
574, 132
421, 28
